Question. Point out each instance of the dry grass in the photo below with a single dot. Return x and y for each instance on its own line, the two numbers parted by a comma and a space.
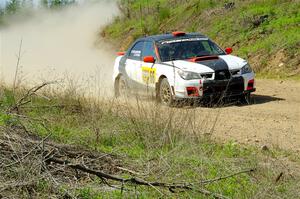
143, 139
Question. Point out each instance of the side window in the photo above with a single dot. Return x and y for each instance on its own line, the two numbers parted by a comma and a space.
136, 51
211, 47
149, 49
216, 48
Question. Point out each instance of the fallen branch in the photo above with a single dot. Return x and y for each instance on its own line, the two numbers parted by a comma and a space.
24, 100
135, 181
17, 185
228, 176
32, 150
128, 170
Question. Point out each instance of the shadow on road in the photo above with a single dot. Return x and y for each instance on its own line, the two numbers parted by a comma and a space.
262, 99
255, 100
190, 104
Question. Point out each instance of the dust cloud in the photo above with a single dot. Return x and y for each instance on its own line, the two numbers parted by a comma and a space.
60, 43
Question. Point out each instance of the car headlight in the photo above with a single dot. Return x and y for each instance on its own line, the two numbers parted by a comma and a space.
188, 75
246, 69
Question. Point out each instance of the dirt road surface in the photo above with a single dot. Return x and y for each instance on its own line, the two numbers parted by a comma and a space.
272, 120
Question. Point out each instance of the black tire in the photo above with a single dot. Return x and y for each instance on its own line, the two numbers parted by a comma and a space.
121, 88
165, 93
246, 99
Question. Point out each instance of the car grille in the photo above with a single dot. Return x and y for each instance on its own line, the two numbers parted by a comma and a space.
207, 75
235, 86
222, 75
234, 72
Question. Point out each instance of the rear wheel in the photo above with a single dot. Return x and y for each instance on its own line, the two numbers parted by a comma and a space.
165, 92
121, 88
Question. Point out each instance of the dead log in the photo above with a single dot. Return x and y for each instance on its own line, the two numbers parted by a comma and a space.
136, 181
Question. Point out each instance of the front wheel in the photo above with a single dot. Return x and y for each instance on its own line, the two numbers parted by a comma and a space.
165, 92
246, 98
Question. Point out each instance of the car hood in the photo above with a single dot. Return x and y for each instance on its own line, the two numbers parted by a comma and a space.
233, 62
209, 66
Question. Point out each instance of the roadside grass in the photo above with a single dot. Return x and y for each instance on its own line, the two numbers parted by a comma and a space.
155, 143
268, 75
259, 31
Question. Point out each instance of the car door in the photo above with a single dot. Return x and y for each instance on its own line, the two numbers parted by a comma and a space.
133, 64
147, 72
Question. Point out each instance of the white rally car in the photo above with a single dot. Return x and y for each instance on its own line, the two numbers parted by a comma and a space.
182, 66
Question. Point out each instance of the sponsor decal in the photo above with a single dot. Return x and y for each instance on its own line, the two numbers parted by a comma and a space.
136, 53
183, 40
148, 75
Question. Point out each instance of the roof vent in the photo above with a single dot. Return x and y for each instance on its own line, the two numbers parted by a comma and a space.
178, 33
203, 58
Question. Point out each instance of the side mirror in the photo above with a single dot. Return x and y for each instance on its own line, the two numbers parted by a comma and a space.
228, 51
120, 53
149, 59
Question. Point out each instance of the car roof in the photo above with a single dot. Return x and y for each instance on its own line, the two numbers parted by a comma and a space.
170, 36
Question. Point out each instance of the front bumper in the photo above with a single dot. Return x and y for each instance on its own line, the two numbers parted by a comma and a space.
223, 88
236, 86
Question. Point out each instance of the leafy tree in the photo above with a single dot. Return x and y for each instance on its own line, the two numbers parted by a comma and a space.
56, 3
13, 6
45, 3
1, 15
2, 12
28, 3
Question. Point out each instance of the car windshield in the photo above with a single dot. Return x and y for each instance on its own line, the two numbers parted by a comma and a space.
182, 49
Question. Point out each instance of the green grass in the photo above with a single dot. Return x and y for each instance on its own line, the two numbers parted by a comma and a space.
160, 152
234, 27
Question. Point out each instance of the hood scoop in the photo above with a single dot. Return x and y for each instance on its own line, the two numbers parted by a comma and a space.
204, 58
